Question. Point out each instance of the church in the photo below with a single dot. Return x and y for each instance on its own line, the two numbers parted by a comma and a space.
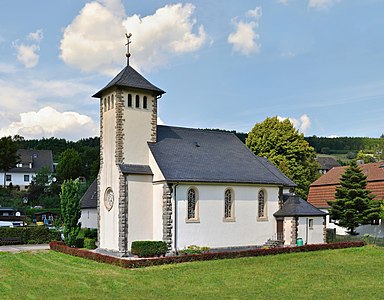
183, 186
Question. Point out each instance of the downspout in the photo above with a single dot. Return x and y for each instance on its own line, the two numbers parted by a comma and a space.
306, 231
175, 233
126, 217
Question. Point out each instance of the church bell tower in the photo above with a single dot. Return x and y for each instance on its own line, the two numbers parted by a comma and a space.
128, 122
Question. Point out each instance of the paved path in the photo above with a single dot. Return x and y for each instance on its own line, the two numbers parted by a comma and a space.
18, 248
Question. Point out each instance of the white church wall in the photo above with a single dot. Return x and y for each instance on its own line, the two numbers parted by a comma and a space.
109, 219
312, 232
158, 211
212, 230
140, 212
88, 218
137, 130
157, 174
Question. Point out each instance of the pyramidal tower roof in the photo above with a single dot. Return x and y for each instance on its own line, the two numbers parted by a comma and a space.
130, 78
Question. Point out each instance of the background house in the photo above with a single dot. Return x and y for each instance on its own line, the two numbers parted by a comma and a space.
88, 217
326, 163
323, 190
31, 161
9, 214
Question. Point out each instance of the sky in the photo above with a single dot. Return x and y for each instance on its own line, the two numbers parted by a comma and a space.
223, 64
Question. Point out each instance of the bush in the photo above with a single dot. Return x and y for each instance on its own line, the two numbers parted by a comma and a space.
79, 242
149, 248
89, 243
28, 235
90, 233
193, 249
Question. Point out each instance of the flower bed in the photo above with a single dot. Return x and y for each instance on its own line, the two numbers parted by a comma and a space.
138, 263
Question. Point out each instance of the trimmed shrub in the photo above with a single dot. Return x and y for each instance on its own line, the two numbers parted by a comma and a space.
146, 262
90, 233
89, 243
193, 249
149, 248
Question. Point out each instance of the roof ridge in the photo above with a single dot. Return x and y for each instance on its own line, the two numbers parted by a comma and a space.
199, 129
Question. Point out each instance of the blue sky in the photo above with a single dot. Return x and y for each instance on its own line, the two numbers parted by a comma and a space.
223, 64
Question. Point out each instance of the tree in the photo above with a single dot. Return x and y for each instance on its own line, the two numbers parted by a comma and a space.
70, 165
44, 188
281, 143
70, 210
353, 205
8, 154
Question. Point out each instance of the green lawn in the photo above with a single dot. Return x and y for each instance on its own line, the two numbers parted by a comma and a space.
354, 273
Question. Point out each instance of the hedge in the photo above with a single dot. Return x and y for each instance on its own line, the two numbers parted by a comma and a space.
146, 262
149, 248
27, 235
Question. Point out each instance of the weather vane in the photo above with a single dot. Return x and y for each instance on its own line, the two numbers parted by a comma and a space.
128, 54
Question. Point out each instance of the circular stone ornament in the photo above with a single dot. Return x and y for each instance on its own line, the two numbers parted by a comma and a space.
109, 198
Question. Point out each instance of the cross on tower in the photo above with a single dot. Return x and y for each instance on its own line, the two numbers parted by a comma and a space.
128, 54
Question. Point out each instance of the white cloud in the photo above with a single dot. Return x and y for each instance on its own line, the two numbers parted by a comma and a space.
27, 54
244, 38
36, 36
95, 39
283, 1
7, 68
303, 124
48, 122
321, 4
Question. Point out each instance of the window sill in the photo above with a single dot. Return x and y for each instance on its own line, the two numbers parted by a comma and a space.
229, 220
192, 220
264, 219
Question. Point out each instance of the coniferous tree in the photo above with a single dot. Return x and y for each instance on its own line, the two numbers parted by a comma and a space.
70, 210
354, 204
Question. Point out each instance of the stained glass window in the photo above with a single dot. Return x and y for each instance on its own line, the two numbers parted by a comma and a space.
191, 204
261, 204
228, 211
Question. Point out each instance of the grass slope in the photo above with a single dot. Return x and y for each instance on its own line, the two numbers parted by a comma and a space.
355, 273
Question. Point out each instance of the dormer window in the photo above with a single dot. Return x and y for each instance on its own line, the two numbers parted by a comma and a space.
19, 165
137, 103
129, 100
145, 102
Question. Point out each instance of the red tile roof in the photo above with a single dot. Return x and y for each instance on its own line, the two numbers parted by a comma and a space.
323, 189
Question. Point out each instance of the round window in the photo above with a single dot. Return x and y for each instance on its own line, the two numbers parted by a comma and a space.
109, 198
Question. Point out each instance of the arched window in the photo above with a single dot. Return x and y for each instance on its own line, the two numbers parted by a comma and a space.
113, 102
137, 104
129, 100
109, 103
145, 102
262, 205
105, 104
192, 213
228, 205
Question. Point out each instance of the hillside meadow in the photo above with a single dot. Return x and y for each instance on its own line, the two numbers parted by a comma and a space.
355, 273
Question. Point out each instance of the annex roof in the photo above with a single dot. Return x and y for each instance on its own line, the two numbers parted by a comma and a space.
130, 78
136, 169
197, 155
89, 199
295, 206
323, 189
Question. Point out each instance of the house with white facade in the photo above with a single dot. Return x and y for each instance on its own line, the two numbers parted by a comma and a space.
30, 162
323, 190
88, 206
184, 186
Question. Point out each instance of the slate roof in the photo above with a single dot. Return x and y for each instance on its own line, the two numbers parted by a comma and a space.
38, 159
295, 206
89, 199
327, 163
323, 189
136, 169
196, 155
130, 78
